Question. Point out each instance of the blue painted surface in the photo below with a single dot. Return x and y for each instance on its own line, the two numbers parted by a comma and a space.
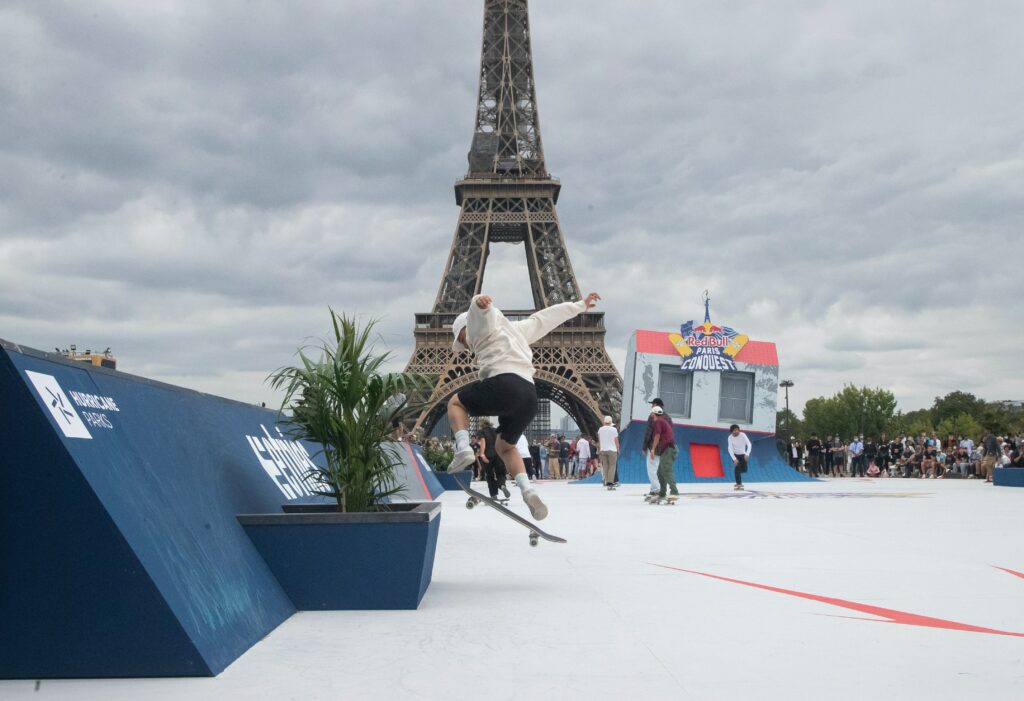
1008, 477
766, 465
451, 483
339, 566
121, 554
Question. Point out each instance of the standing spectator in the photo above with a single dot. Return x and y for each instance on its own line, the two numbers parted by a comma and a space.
535, 461
826, 467
564, 454
739, 451
838, 457
494, 468
871, 457
895, 453
474, 443
608, 439
814, 452
542, 455
553, 462
582, 456
645, 447
663, 444
857, 456
795, 452
990, 446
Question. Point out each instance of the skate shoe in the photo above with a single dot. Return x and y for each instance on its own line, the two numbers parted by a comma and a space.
537, 507
463, 459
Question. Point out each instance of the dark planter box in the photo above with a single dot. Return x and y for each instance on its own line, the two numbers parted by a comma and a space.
1008, 477
451, 482
333, 561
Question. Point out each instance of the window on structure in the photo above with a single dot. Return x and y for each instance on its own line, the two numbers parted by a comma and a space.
675, 387
736, 399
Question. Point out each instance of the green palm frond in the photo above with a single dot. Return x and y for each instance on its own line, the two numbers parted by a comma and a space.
342, 401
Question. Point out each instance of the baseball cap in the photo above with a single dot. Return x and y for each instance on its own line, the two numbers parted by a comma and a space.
608, 421
460, 323
657, 402
657, 410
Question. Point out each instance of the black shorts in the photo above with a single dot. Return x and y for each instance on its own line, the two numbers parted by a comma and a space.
509, 397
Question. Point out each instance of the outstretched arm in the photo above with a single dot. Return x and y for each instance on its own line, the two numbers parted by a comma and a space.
540, 323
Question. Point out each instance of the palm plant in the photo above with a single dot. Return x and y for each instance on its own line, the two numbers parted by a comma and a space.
345, 403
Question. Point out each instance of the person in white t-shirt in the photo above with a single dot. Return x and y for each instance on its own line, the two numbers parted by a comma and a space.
739, 451
608, 451
582, 456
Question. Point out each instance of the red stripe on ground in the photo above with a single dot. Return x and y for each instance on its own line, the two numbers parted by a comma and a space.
887, 615
419, 468
1013, 572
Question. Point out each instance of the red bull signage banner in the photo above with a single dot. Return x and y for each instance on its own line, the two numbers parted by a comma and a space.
708, 347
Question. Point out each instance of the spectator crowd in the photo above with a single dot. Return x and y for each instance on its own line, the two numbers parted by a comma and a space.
921, 456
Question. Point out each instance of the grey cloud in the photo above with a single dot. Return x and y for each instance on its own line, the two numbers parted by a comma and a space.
846, 179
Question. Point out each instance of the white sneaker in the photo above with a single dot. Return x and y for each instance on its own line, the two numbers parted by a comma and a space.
463, 459
537, 508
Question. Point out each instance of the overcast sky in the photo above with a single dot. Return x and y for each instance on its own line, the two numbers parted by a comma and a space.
193, 183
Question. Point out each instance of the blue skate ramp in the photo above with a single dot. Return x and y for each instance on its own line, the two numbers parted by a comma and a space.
121, 554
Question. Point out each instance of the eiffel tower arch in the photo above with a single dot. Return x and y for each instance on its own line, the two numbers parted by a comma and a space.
507, 196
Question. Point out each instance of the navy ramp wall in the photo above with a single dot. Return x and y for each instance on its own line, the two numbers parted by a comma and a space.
766, 465
121, 553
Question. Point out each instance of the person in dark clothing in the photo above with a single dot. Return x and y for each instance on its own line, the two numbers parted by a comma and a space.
814, 453
663, 444
494, 468
535, 461
645, 448
563, 456
870, 455
794, 452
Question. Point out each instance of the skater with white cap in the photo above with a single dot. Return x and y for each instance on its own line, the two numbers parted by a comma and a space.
506, 388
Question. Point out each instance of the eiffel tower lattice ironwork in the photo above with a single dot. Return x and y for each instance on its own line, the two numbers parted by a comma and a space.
507, 196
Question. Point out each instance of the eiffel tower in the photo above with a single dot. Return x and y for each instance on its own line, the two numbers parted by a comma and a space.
507, 196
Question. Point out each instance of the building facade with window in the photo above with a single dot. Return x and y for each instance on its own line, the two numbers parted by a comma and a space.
709, 377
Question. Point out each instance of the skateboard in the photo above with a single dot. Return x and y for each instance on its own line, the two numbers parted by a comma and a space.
535, 532
664, 501
611, 487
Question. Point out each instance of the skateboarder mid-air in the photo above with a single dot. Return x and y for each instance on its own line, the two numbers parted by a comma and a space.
506, 388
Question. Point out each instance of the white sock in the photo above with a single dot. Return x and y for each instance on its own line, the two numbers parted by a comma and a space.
522, 481
461, 440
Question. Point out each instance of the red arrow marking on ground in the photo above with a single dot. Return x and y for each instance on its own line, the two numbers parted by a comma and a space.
1013, 572
888, 615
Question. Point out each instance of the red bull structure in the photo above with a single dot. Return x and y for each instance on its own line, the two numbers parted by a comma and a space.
709, 377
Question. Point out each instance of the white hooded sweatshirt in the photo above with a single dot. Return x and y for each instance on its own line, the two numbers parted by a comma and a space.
503, 346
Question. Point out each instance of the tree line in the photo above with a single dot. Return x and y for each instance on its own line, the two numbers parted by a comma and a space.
872, 412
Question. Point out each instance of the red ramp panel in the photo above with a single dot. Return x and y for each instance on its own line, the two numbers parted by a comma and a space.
706, 460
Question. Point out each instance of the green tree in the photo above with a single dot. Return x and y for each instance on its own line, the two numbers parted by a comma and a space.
853, 410
960, 425
996, 418
911, 423
787, 424
956, 404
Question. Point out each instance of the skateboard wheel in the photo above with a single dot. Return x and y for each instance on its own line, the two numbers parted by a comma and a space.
533, 540
470, 503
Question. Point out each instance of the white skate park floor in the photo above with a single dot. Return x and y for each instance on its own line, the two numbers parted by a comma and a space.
879, 589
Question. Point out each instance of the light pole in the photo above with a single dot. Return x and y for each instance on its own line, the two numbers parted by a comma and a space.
786, 384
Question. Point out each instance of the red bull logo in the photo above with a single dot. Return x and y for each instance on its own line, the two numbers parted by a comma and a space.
708, 347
